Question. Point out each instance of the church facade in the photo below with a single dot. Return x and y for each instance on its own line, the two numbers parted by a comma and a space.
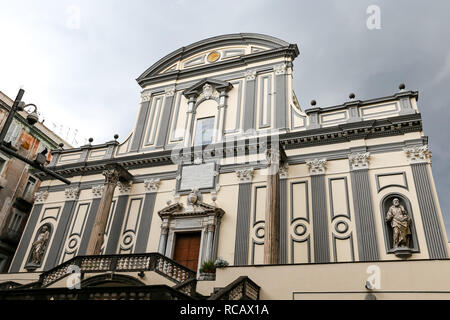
223, 165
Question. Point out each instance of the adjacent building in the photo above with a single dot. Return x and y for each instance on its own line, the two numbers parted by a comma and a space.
225, 165
18, 183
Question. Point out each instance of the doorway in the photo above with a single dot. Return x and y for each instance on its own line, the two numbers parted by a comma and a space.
187, 249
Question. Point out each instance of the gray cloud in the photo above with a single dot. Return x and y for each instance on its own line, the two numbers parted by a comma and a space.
84, 78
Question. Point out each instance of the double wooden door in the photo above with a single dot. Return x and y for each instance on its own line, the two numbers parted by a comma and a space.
187, 249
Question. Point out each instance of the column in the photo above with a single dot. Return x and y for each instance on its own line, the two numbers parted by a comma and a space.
272, 214
319, 210
209, 241
163, 238
101, 218
362, 201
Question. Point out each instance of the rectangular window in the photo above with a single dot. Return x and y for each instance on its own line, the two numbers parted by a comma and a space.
29, 188
204, 131
16, 221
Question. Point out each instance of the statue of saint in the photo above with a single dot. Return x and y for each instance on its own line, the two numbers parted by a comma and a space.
39, 246
400, 223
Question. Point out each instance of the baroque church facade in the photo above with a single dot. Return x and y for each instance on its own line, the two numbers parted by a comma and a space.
223, 165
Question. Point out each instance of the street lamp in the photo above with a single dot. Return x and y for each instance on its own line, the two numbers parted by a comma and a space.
32, 118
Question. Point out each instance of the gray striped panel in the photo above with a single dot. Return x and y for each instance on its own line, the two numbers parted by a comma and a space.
249, 106
283, 221
428, 209
139, 131
116, 227
242, 225
164, 122
320, 219
88, 228
280, 102
145, 223
364, 217
60, 234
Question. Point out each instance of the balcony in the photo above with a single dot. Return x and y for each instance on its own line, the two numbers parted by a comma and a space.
10, 236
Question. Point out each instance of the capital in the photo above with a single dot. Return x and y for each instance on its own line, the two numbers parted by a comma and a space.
359, 161
111, 176
245, 175
419, 154
317, 166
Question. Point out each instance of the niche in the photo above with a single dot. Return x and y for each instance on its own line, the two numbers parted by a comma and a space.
402, 250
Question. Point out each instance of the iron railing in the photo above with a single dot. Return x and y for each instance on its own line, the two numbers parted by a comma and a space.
120, 263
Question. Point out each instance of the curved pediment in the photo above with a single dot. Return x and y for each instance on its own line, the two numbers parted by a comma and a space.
194, 207
211, 51
203, 86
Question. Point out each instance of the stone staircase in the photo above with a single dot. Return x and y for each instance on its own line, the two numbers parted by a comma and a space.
183, 279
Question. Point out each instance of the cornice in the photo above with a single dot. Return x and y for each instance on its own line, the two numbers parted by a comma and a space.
293, 140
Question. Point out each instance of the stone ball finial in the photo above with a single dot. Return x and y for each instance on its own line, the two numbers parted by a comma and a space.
402, 86
351, 95
90, 140
116, 136
313, 102
61, 145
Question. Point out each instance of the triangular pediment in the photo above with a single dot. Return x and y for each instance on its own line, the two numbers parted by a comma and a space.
198, 208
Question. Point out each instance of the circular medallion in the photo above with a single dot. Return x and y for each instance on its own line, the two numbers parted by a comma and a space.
213, 56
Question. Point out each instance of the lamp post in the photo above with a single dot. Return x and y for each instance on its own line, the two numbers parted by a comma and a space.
32, 118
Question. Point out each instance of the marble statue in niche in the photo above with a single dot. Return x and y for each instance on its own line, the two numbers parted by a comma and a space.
39, 246
400, 223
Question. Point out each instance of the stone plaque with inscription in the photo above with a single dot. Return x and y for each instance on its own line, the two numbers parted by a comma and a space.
200, 176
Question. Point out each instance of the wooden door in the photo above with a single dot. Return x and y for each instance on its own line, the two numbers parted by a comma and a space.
187, 249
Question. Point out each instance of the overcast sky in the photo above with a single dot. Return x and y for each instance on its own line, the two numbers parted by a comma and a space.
78, 60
